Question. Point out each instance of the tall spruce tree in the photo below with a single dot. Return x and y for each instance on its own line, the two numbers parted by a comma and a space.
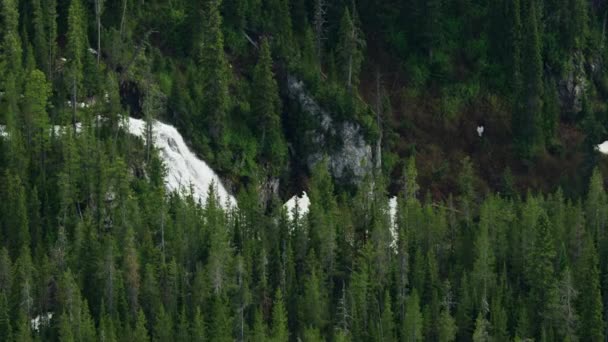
350, 48
215, 75
266, 108
76, 44
589, 303
527, 116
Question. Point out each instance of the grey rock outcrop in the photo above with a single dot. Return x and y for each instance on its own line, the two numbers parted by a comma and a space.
573, 85
342, 142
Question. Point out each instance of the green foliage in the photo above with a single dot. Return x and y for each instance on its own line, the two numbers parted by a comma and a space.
214, 73
350, 49
89, 233
266, 109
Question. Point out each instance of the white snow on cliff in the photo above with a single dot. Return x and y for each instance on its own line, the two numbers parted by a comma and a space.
603, 147
41, 321
392, 210
302, 202
184, 169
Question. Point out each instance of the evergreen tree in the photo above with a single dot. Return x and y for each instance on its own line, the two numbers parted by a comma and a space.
183, 328
5, 321
140, 334
266, 108
14, 214
483, 270
50, 16
10, 72
258, 331
482, 329
514, 44
542, 275
386, 323
350, 49
198, 326
413, 319
279, 319
163, 329
567, 315
131, 272
221, 327
76, 44
589, 303
36, 120
40, 35
447, 326
214, 72
527, 122
11, 60
576, 13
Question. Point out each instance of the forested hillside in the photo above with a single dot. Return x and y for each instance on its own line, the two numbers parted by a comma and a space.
480, 116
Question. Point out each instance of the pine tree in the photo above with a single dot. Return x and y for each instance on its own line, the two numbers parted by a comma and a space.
107, 332
10, 75
578, 19
66, 333
163, 329
140, 334
258, 331
266, 108
214, 72
14, 214
131, 272
183, 328
36, 120
386, 323
589, 303
542, 274
280, 331
99, 8
596, 211
413, 319
483, 275
514, 43
281, 16
76, 44
221, 327
447, 326
567, 315
5, 322
40, 35
198, 326
432, 12
482, 329
527, 120
50, 15
350, 49
87, 325
11, 59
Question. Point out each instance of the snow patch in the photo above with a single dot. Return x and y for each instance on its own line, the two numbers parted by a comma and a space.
392, 210
184, 170
603, 147
41, 321
301, 202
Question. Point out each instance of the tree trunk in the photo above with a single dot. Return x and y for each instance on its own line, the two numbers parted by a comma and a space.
98, 20
74, 103
123, 17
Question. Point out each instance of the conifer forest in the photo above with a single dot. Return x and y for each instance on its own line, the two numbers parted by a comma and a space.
303, 170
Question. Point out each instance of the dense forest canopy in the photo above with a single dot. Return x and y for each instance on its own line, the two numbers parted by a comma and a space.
480, 116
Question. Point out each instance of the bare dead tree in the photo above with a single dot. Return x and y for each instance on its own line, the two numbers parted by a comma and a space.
319, 26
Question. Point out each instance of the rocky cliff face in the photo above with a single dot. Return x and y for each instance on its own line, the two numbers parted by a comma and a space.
341, 142
573, 84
